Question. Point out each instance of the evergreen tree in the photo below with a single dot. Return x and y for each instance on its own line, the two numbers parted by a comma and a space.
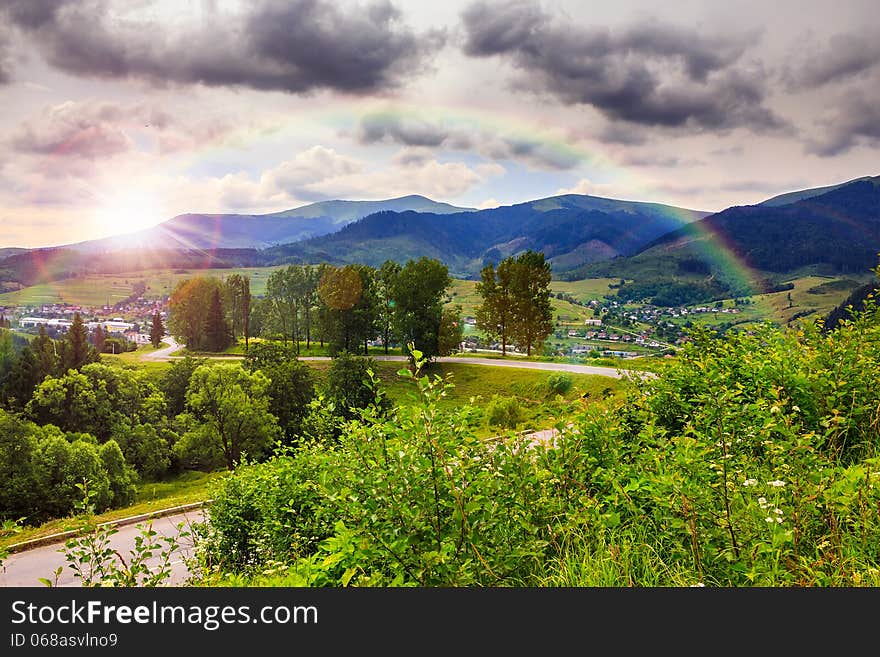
99, 338
157, 330
217, 335
78, 351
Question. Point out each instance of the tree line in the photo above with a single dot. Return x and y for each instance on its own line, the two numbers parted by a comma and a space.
344, 308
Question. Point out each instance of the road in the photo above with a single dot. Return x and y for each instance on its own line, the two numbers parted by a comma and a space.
166, 354
25, 568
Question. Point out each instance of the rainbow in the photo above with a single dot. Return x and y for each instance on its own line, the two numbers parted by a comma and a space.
722, 256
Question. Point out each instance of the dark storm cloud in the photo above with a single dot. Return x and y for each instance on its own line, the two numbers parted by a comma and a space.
848, 55
649, 73
411, 131
855, 121
293, 46
406, 131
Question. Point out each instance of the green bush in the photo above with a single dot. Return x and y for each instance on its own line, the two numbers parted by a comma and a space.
559, 383
504, 412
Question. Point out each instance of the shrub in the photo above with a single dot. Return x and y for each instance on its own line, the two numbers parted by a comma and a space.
504, 412
559, 383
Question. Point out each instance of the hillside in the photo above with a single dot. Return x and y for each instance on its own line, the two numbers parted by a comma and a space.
837, 232
257, 231
571, 230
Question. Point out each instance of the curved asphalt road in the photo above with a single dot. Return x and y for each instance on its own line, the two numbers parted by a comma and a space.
25, 568
166, 354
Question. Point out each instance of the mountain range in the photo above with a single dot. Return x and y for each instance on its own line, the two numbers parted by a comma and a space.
258, 231
835, 227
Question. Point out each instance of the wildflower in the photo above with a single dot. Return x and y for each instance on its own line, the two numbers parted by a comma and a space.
768, 519
776, 483
762, 502
750, 482
778, 512
778, 519
697, 585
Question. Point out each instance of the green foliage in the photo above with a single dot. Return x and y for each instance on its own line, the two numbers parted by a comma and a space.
417, 293
516, 301
228, 416
111, 403
175, 382
351, 386
504, 412
196, 314
157, 330
559, 383
751, 459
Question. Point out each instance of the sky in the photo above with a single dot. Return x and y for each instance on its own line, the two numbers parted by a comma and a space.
120, 114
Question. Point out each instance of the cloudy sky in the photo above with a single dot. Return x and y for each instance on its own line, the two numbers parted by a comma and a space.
118, 115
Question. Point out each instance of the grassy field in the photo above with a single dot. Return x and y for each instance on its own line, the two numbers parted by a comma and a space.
107, 289
185, 488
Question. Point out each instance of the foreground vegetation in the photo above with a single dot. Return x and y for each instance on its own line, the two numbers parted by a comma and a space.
752, 460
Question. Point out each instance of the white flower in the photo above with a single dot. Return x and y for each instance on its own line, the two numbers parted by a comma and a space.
697, 585
778, 519
750, 482
778, 512
776, 483
762, 502
768, 519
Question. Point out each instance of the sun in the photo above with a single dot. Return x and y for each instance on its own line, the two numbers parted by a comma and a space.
127, 211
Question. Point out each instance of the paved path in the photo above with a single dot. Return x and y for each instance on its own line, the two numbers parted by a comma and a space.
25, 568
166, 354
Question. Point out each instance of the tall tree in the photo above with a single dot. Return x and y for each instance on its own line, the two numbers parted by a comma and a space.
157, 330
99, 338
78, 351
189, 307
418, 304
451, 332
217, 335
530, 287
388, 273
286, 290
238, 292
495, 315
349, 307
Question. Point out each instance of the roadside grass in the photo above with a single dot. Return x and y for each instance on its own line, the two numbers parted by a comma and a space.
185, 488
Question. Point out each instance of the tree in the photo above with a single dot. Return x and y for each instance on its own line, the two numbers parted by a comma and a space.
175, 382
98, 339
350, 385
516, 301
418, 304
217, 334
228, 416
533, 313
350, 310
78, 351
388, 273
291, 389
189, 308
451, 332
286, 291
495, 315
238, 291
157, 330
